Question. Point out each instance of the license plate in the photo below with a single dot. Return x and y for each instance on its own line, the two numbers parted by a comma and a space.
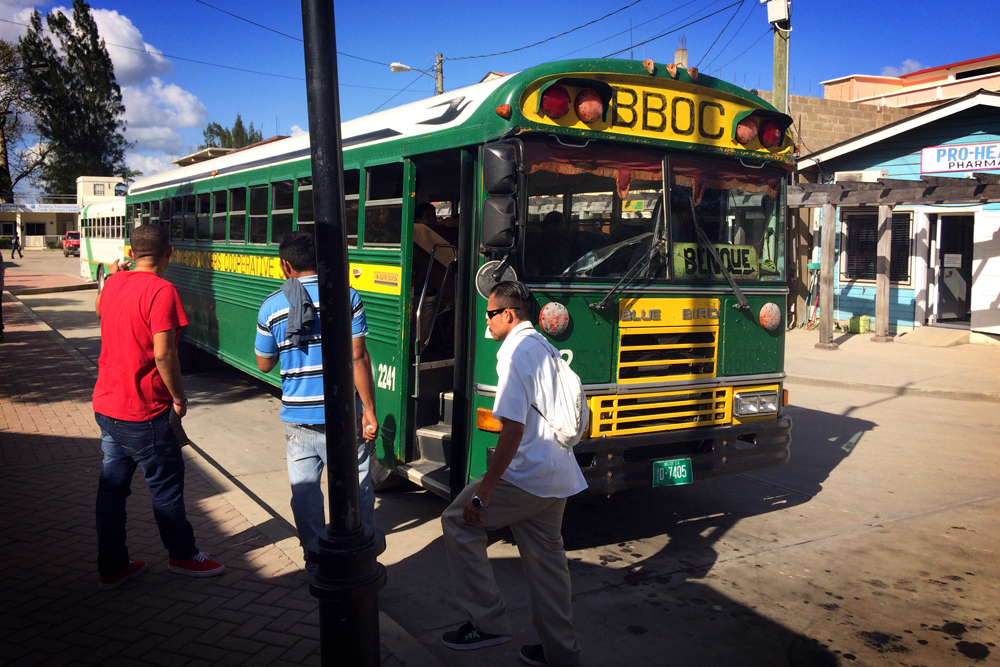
674, 472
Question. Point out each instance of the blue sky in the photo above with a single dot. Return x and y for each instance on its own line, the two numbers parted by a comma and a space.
169, 101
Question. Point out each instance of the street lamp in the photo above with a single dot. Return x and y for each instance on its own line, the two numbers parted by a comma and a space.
438, 70
26, 68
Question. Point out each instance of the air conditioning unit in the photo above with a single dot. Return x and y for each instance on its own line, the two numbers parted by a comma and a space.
866, 176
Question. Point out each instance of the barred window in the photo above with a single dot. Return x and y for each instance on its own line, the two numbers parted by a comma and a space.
860, 260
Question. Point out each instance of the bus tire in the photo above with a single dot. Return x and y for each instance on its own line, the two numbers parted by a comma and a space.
100, 278
382, 477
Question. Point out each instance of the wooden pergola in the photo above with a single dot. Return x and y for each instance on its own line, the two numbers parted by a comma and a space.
885, 194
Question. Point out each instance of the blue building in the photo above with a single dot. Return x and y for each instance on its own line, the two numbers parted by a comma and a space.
945, 255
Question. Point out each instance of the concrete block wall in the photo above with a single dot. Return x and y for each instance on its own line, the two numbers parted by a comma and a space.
819, 122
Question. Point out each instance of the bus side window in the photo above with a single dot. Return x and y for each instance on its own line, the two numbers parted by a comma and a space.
305, 215
282, 202
176, 218
352, 189
189, 217
384, 205
203, 223
219, 215
164, 218
258, 214
237, 215
145, 213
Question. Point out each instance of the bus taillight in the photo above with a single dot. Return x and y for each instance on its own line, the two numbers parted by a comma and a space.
770, 133
555, 102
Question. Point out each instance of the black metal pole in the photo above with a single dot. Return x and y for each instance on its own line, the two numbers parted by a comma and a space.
348, 575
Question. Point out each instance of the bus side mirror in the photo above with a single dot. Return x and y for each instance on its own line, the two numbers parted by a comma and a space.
498, 222
499, 170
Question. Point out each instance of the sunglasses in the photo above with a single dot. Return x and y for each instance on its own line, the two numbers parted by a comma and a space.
490, 314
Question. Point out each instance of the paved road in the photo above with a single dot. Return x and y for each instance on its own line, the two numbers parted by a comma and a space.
877, 544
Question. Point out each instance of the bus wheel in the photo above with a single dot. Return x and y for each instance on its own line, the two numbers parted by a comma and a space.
382, 477
100, 278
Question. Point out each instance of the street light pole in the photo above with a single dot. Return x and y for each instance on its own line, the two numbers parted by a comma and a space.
438, 70
348, 576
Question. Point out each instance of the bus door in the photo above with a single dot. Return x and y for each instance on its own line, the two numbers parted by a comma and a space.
432, 204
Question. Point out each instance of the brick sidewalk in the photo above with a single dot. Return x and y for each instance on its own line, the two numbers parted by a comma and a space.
18, 281
259, 612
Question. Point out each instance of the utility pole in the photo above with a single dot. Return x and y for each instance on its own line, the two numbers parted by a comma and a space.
439, 74
348, 575
779, 15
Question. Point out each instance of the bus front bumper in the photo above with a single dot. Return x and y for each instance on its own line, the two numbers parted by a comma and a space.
620, 463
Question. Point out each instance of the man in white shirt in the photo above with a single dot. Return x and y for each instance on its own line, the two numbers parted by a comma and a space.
524, 487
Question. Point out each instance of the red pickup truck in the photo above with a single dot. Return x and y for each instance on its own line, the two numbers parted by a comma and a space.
71, 244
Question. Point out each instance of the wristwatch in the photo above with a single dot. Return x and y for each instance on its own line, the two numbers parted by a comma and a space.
477, 502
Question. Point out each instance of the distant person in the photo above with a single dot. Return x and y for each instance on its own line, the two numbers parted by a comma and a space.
15, 246
525, 487
447, 228
288, 329
138, 384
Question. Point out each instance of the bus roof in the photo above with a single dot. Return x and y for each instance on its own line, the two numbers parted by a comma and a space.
104, 209
455, 110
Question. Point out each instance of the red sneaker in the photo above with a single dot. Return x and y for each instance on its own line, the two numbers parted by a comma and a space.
134, 569
199, 565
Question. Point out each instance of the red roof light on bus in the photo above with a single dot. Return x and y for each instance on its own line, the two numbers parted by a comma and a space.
746, 130
555, 102
770, 133
589, 106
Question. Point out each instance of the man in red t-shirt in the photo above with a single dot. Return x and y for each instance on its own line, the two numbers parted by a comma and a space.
138, 383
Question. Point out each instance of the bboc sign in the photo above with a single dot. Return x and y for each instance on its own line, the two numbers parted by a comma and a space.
960, 157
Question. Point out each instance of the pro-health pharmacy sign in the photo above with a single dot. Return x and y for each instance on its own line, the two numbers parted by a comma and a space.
960, 157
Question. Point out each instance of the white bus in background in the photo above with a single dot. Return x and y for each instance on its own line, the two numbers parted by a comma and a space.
102, 238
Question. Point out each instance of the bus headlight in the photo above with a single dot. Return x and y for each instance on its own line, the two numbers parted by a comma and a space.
754, 403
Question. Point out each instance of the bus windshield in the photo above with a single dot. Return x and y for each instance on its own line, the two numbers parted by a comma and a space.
595, 213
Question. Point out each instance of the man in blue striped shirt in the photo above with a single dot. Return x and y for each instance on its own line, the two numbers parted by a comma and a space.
289, 330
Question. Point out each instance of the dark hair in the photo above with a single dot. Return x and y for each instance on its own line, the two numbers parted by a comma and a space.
149, 241
419, 211
299, 250
514, 295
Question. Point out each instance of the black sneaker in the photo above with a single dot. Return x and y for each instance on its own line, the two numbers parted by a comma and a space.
533, 654
467, 638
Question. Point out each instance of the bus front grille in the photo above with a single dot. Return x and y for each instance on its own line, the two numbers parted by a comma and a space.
667, 353
664, 411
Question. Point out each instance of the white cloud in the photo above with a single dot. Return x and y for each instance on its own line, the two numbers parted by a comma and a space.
147, 164
140, 60
17, 11
909, 65
296, 131
153, 114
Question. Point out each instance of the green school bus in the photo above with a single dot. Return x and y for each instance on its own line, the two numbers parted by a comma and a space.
643, 204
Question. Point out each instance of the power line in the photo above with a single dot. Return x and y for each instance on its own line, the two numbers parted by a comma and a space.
735, 35
668, 32
766, 32
284, 34
562, 34
619, 34
203, 62
719, 36
393, 97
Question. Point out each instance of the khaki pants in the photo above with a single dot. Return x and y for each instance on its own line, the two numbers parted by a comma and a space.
537, 525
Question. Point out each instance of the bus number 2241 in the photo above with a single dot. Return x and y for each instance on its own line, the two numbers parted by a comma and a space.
387, 377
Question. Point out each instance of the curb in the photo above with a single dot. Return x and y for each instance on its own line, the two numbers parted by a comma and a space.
952, 394
48, 290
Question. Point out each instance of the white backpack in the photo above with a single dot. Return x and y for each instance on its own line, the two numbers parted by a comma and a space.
571, 415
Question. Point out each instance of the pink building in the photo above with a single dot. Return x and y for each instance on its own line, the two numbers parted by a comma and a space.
918, 90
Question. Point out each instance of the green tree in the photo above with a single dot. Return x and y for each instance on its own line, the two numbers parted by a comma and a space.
238, 136
20, 155
78, 102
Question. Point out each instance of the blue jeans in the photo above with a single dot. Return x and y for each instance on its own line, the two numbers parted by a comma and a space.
305, 449
152, 445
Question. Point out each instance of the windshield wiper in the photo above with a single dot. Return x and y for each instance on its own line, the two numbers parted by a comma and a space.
704, 240
633, 273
